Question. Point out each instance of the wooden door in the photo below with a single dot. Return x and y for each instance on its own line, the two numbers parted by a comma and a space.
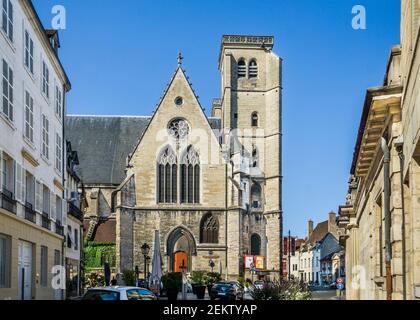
180, 260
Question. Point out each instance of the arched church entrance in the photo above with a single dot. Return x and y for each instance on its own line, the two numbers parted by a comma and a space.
181, 247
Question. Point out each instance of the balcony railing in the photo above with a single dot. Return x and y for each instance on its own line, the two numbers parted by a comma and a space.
7, 201
46, 222
75, 212
59, 229
30, 214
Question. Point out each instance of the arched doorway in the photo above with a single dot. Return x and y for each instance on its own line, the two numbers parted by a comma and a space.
181, 247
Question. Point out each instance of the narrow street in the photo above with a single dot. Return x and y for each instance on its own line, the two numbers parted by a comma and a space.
326, 295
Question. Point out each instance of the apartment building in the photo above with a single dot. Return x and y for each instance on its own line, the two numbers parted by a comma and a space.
32, 172
76, 200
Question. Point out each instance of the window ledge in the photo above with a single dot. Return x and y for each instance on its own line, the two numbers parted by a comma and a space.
47, 100
8, 121
46, 160
9, 42
60, 119
30, 143
30, 74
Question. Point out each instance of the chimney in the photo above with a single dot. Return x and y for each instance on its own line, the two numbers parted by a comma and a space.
310, 228
332, 220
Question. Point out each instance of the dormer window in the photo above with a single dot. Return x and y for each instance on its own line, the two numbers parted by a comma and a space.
253, 69
241, 68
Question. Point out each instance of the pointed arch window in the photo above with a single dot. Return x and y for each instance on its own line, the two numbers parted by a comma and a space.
241, 68
255, 245
209, 229
253, 69
190, 177
167, 176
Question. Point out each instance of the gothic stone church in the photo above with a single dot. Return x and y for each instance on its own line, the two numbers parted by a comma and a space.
210, 185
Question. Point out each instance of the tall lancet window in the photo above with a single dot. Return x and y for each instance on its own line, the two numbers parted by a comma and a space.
167, 176
209, 229
190, 177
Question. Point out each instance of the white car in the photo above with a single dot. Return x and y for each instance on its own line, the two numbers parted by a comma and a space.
118, 293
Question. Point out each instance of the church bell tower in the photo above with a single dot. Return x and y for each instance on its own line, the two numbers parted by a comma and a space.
251, 110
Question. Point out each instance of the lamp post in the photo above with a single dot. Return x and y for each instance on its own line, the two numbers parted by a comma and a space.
136, 270
147, 270
145, 248
212, 265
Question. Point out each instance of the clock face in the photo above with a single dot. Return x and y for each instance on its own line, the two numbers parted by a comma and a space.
178, 129
179, 101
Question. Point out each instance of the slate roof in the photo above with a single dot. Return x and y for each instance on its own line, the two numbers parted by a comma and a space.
319, 233
103, 143
215, 123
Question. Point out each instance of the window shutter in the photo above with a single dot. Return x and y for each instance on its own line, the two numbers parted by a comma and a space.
23, 186
1, 170
52, 207
38, 197
64, 212
18, 182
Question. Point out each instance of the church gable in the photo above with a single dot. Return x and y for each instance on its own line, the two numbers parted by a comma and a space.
180, 124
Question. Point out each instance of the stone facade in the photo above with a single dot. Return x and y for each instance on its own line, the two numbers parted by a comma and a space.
239, 186
390, 112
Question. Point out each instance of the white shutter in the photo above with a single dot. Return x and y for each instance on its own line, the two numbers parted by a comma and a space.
64, 212
52, 208
18, 182
23, 186
1, 170
38, 196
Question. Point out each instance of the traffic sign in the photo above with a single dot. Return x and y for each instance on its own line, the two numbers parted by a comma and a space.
340, 286
340, 280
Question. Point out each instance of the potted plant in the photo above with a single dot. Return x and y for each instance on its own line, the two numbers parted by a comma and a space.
211, 279
198, 278
172, 282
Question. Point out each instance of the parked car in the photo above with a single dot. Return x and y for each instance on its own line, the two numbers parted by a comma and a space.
259, 285
227, 291
118, 293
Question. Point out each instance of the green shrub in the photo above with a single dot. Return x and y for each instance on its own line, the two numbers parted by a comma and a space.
212, 278
129, 277
198, 277
96, 254
172, 281
284, 290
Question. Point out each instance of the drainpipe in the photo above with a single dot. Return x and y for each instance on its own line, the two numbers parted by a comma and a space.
387, 193
226, 221
399, 146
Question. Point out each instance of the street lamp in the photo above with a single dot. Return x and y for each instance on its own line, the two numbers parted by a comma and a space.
145, 248
136, 270
147, 270
211, 265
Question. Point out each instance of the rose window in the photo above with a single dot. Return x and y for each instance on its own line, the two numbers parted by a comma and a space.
178, 129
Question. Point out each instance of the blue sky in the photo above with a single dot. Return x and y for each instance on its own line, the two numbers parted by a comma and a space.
120, 55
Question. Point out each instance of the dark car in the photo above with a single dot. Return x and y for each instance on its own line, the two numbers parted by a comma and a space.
227, 291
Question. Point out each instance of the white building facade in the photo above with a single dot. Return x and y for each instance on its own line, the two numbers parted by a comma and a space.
310, 264
32, 109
